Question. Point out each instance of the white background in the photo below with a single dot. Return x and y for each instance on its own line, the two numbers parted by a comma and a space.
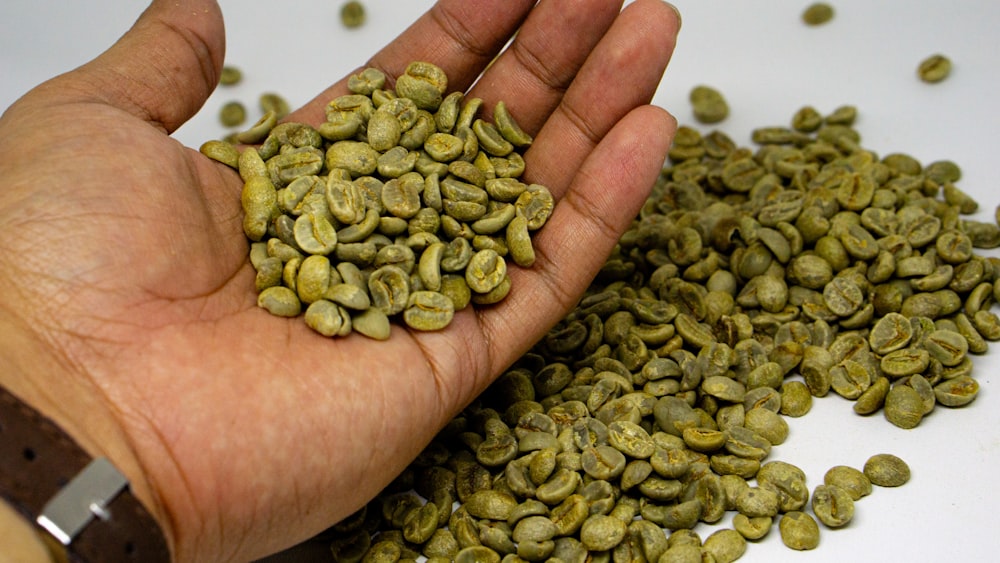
768, 64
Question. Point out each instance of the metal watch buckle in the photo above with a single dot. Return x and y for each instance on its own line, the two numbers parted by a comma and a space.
85, 497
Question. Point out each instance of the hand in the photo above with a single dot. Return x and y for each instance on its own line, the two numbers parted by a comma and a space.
128, 310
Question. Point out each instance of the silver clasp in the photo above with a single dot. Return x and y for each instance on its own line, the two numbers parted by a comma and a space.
85, 497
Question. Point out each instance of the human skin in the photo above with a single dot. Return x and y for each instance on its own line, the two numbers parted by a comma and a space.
127, 309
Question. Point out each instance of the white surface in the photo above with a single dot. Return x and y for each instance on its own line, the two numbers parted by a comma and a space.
768, 64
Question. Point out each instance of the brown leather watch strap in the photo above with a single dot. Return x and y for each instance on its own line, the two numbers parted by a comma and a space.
38, 460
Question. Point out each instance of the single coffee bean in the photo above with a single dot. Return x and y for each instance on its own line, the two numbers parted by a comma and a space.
817, 13
934, 68
799, 531
887, 470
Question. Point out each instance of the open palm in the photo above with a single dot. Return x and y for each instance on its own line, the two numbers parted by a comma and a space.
128, 309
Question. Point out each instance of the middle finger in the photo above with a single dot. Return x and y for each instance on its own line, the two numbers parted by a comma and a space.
621, 74
534, 72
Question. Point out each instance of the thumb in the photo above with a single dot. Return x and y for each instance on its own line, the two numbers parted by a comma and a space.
165, 67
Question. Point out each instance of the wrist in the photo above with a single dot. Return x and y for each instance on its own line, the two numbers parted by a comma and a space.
54, 424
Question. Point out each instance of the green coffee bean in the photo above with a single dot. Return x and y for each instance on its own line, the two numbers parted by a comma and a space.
807, 120
508, 127
744, 442
815, 365
796, 400
313, 278
271, 102
486, 271
943, 171
269, 272
328, 319
294, 163
477, 554
352, 14
232, 114
906, 361
315, 234
221, 151
922, 386
704, 439
767, 424
849, 479
280, 301
386, 551
366, 82
946, 346
788, 481
260, 206
850, 379
564, 482
536, 204
421, 524
682, 554
428, 310
957, 391
230, 75
602, 533
752, 528
495, 221
817, 13
490, 139
725, 545
630, 439
872, 399
494, 505
423, 83
723, 388
833, 506
887, 470
708, 104
389, 288
843, 115
603, 462
519, 242
755, 502
934, 68
259, 130
570, 514
372, 323
799, 531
